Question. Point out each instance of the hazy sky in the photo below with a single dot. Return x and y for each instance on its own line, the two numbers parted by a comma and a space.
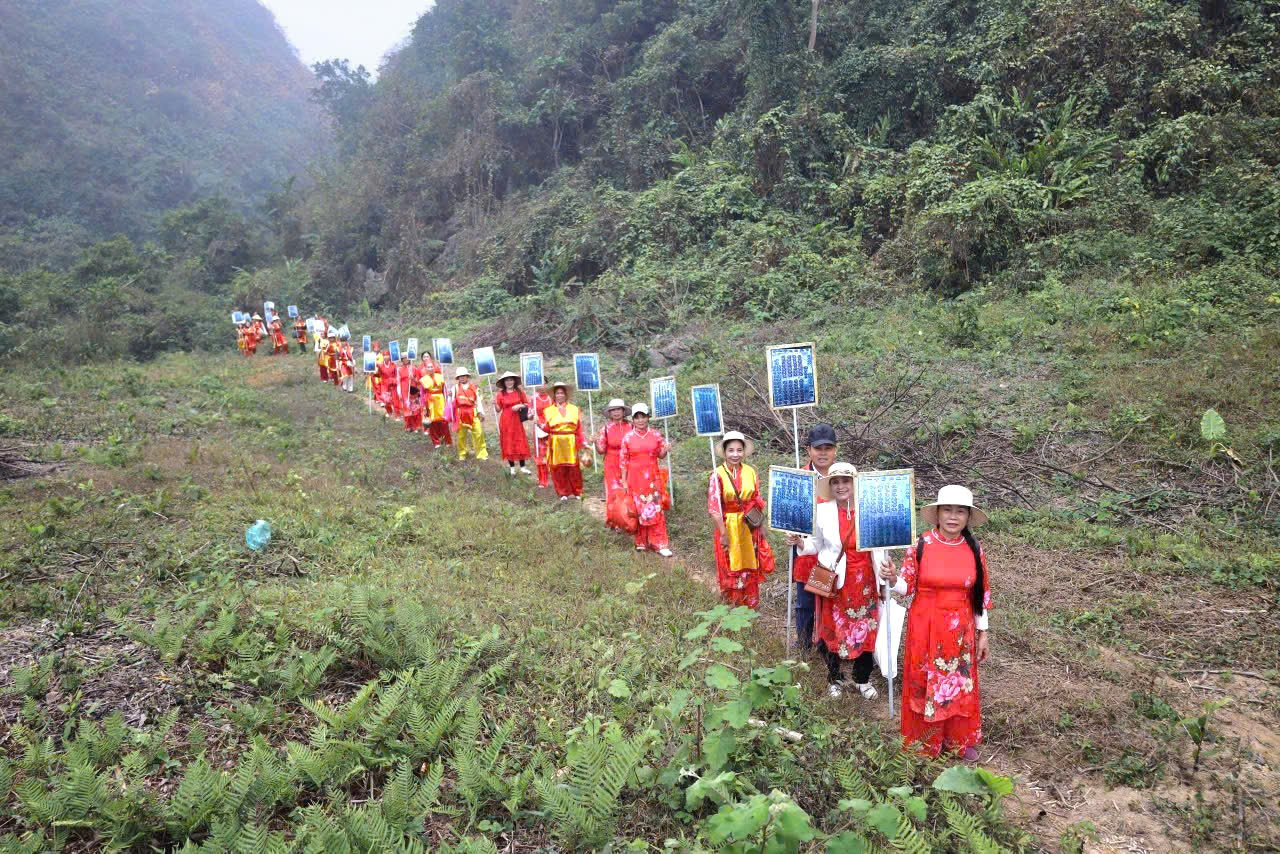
358, 30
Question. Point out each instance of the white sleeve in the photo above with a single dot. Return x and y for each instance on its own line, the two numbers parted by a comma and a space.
980, 622
808, 546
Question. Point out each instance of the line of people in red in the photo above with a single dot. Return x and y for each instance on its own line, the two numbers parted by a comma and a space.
252, 330
945, 572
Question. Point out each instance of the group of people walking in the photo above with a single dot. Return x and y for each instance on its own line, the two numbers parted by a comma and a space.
252, 330
944, 573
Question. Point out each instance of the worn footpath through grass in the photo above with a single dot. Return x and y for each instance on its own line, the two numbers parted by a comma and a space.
427, 656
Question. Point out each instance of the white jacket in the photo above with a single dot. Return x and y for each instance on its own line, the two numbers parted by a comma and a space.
826, 544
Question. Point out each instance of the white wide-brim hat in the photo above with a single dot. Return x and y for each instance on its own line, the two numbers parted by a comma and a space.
960, 497
509, 375
749, 447
616, 403
639, 409
568, 389
461, 372
823, 489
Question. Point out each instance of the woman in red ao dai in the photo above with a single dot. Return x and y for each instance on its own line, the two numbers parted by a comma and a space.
642, 447
946, 637
847, 622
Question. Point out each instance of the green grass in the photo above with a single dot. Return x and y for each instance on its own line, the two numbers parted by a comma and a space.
427, 656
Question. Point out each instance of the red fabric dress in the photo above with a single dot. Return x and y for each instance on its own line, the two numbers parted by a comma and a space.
278, 342
941, 705
387, 387
846, 623
609, 447
405, 375
738, 586
638, 458
413, 414
541, 400
300, 333
511, 437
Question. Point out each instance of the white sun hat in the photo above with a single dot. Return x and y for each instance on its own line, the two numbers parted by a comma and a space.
959, 496
748, 446
616, 403
823, 488
639, 409
461, 372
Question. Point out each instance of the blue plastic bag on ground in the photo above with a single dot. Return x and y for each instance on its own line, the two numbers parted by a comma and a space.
257, 535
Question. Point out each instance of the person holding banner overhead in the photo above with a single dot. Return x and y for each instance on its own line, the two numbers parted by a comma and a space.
822, 450
509, 403
734, 502
847, 621
641, 450
946, 640
468, 415
562, 422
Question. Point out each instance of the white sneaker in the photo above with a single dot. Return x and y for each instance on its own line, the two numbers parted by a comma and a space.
639, 548
835, 690
525, 470
665, 552
564, 498
866, 690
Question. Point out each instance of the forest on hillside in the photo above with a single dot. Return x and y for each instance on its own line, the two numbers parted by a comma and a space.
572, 161
113, 112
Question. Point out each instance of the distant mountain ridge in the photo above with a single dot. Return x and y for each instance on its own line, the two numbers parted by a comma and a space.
112, 111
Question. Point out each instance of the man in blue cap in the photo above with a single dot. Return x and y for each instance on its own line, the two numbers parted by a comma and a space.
823, 450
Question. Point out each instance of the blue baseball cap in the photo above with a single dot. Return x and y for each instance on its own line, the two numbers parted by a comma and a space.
822, 434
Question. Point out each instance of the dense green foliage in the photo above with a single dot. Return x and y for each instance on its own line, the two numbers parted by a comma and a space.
591, 159
114, 111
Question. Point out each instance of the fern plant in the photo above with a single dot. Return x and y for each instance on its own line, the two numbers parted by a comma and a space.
583, 800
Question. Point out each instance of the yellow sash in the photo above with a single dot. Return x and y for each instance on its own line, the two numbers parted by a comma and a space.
563, 430
742, 545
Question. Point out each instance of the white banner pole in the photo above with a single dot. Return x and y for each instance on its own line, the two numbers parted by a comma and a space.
591, 414
887, 622
489, 381
671, 475
791, 551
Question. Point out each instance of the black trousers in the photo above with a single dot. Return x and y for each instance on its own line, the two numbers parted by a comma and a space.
804, 617
862, 666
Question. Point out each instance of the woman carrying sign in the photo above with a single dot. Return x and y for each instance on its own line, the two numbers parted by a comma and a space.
847, 621
511, 438
946, 571
300, 333
641, 450
562, 422
743, 556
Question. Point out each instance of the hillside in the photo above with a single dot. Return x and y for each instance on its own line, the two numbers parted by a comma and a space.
113, 111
